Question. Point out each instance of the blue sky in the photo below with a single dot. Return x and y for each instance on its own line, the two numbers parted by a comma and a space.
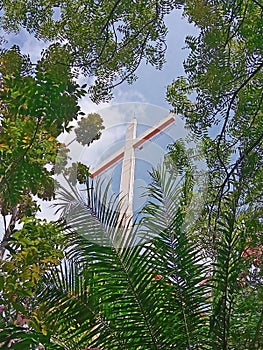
151, 85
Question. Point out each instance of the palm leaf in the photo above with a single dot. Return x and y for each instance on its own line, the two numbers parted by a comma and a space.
123, 301
227, 271
177, 259
107, 293
16, 337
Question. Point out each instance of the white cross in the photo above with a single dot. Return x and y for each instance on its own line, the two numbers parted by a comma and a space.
127, 152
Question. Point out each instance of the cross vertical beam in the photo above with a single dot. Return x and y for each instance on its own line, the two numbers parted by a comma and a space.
128, 170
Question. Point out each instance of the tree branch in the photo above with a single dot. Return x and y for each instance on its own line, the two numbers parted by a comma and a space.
236, 92
8, 230
258, 4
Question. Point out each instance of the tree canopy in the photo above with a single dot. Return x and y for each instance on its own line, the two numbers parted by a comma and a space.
102, 39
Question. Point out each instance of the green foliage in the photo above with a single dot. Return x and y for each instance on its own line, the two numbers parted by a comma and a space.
160, 283
77, 173
221, 98
38, 102
221, 101
36, 108
150, 285
107, 40
110, 285
178, 158
89, 129
224, 67
176, 259
25, 339
32, 250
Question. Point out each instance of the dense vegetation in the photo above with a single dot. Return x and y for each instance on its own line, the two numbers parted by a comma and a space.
80, 284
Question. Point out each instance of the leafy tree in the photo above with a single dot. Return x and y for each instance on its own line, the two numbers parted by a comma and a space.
32, 251
38, 102
89, 129
221, 101
224, 71
107, 40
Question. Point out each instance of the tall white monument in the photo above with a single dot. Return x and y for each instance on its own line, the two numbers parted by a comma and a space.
127, 152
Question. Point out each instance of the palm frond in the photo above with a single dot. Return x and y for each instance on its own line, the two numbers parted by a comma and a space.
98, 218
17, 337
227, 273
125, 302
177, 259
141, 295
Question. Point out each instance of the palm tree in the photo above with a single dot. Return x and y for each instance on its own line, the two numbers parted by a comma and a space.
149, 286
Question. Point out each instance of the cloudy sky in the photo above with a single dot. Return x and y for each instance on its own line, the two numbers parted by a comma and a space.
151, 85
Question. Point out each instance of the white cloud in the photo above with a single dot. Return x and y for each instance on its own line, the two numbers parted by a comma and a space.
27, 43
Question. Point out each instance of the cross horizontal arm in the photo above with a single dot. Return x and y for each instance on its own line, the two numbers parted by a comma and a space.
107, 163
149, 133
